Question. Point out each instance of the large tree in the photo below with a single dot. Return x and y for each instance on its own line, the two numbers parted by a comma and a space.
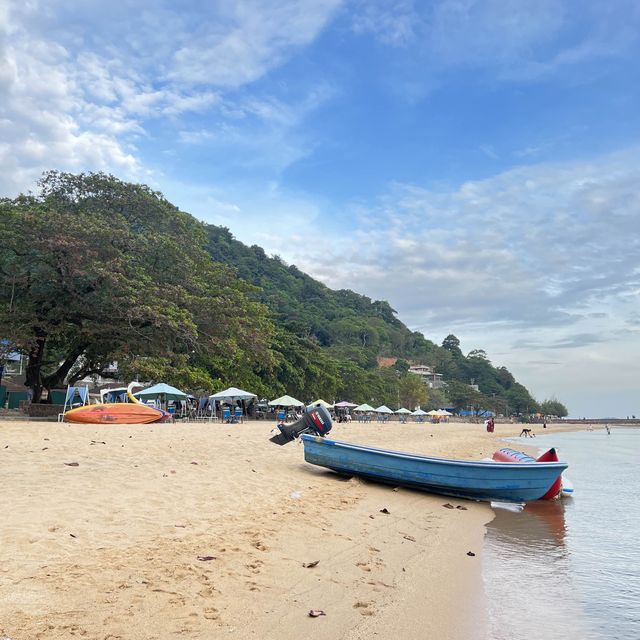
95, 270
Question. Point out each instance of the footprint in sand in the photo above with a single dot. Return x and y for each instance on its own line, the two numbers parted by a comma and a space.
211, 613
363, 565
365, 608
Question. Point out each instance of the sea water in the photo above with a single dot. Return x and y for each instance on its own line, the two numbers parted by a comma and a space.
570, 569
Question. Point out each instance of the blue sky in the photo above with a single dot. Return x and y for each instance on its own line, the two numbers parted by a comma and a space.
474, 163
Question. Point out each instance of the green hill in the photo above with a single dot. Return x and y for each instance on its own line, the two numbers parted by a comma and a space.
352, 329
95, 270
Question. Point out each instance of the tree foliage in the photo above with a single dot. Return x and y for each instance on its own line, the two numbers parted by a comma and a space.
553, 407
95, 270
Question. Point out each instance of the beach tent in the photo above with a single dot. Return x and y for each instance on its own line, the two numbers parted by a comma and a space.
163, 391
74, 396
286, 401
403, 410
433, 412
232, 394
344, 405
320, 402
162, 394
419, 412
364, 407
383, 409
444, 412
116, 394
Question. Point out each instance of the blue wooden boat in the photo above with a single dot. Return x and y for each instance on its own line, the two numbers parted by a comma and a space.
475, 480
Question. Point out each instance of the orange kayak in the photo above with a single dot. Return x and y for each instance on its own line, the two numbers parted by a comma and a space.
120, 413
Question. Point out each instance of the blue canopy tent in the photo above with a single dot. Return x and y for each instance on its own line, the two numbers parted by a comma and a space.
75, 397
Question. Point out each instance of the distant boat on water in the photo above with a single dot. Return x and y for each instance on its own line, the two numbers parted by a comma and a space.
474, 480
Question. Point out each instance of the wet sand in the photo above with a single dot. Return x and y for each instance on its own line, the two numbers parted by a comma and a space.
202, 530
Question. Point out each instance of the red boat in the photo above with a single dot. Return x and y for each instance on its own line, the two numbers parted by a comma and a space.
510, 455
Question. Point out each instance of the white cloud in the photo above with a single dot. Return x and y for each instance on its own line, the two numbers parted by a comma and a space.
536, 264
81, 85
247, 39
519, 41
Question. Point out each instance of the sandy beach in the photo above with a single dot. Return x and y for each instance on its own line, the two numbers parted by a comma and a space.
202, 530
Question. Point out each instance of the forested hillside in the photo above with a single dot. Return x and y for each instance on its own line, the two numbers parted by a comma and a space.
351, 326
95, 270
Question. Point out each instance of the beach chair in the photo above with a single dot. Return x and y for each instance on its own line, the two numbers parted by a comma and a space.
226, 415
237, 414
282, 415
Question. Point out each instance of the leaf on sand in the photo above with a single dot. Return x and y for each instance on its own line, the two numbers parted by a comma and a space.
73, 535
180, 526
385, 510
206, 558
447, 505
410, 538
310, 565
315, 613
194, 462
461, 507
72, 464
470, 553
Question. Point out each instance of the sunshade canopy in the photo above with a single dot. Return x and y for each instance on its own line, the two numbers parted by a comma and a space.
344, 403
320, 402
403, 410
419, 412
286, 401
364, 407
433, 412
162, 389
444, 412
232, 394
383, 409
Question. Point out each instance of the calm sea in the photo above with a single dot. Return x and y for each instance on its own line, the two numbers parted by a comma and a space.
570, 569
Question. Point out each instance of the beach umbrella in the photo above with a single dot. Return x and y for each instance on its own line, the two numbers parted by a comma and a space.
165, 390
321, 402
433, 412
345, 404
403, 410
286, 401
444, 412
419, 412
383, 409
232, 394
364, 407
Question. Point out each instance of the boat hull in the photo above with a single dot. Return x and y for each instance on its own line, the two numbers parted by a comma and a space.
120, 413
474, 480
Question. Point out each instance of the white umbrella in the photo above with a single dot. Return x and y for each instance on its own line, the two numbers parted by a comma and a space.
419, 412
403, 410
321, 402
345, 404
286, 401
364, 407
232, 394
433, 412
383, 409
444, 412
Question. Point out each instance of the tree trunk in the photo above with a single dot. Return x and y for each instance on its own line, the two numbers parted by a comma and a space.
58, 377
33, 373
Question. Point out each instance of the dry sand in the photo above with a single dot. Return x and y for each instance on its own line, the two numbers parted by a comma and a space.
112, 548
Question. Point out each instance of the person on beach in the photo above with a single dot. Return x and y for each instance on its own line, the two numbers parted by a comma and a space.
606, 426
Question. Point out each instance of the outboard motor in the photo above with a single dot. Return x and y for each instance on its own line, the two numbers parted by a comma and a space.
317, 421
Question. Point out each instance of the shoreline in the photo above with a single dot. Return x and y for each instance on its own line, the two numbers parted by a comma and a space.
110, 548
